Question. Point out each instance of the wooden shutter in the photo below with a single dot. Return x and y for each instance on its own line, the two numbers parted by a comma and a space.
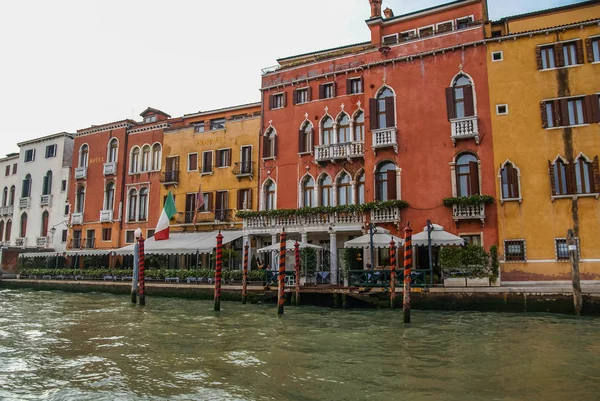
321, 91
270, 102
538, 57
210, 161
391, 184
588, 112
349, 86
474, 177
515, 181
373, 113
596, 175
209, 205
284, 95
219, 201
559, 55
551, 175
295, 96
301, 141
240, 199
564, 111
390, 112
592, 109
313, 140
590, 51
308, 94
469, 105
579, 45
265, 145
571, 179
249, 200
274, 146
333, 87
450, 103
556, 113
544, 115
218, 158
229, 157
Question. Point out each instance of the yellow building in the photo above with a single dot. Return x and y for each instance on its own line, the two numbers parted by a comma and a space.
544, 81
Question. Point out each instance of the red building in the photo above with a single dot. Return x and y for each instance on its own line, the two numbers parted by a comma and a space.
404, 116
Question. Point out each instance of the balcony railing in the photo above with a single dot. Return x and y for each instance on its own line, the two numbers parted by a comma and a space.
6, 210
316, 219
21, 242
89, 243
243, 169
77, 218
465, 128
469, 212
76, 243
110, 168
387, 215
208, 216
385, 138
42, 242
81, 173
46, 200
106, 216
24, 203
170, 177
340, 151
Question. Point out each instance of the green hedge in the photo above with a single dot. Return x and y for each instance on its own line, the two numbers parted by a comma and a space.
469, 200
470, 261
305, 211
156, 274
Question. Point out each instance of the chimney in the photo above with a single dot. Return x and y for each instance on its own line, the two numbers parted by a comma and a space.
375, 8
388, 13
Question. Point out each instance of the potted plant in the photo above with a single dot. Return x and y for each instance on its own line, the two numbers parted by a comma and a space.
465, 266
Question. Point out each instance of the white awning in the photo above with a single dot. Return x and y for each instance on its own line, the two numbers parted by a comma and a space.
89, 252
289, 246
38, 254
183, 243
381, 239
439, 237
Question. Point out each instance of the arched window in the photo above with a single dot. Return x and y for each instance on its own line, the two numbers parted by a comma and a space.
270, 189
47, 185
467, 175
385, 182
1, 230
583, 176
327, 134
143, 201
359, 127
344, 190
308, 192
11, 200
156, 156
326, 191
23, 228
459, 98
270, 144
360, 189
83, 155
7, 231
45, 218
343, 128
132, 202
509, 180
113, 149
26, 190
135, 160
305, 139
80, 199
383, 114
4, 199
145, 158
109, 196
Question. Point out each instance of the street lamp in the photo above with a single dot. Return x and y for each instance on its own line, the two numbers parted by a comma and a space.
138, 233
372, 230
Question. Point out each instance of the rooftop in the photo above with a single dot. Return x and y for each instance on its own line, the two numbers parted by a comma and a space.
548, 10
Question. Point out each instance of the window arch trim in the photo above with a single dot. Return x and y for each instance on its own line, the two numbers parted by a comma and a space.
518, 182
301, 195
109, 150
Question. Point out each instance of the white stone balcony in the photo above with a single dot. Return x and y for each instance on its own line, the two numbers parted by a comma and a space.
387, 215
81, 173
42, 242
340, 151
46, 200
465, 128
106, 216
469, 212
77, 218
6, 210
315, 221
385, 138
24, 203
22, 242
110, 168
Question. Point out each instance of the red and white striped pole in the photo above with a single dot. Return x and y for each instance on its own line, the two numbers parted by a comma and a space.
141, 280
218, 271
407, 266
281, 289
297, 268
245, 278
392, 274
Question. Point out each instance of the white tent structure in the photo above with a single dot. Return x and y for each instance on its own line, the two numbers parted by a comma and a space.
183, 243
289, 246
439, 237
381, 239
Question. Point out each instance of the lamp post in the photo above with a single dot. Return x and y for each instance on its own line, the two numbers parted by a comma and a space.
429, 230
372, 230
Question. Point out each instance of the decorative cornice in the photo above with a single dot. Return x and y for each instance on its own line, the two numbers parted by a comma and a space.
45, 138
137, 130
101, 128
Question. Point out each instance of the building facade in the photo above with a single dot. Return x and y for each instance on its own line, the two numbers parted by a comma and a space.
9, 168
403, 117
546, 139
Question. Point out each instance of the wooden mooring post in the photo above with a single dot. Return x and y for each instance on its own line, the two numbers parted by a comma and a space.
281, 287
218, 270
574, 256
392, 274
407, 267
245, 277
297, 268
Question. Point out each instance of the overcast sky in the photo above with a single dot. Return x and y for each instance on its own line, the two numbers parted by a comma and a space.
69, 64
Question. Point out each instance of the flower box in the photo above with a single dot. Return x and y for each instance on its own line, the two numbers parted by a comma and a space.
455, 282
478, 281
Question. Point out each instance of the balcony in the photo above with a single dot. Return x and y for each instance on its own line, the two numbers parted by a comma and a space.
22, 242
6, 210
243, 169
208, 216
385, 138
89, 243
316, 221
386, 215
340, 151
81, 173
46, 200
465, 128
110, 168
42, 242
24, 203
170, 177
77, 218
76, 243
106, 216
469, 212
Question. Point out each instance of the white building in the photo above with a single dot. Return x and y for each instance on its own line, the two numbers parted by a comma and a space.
41, 208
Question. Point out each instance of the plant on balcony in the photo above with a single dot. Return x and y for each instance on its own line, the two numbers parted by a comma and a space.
305, 211
472, 200
467, 261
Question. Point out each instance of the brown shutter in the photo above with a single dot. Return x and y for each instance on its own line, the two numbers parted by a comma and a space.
275, 146
313, 140
469, 105
390, 112
590, 51
210, 161
249, 203
218, 158
571, 179
295, 96
333, 89
588, 112
474, 177
559, 55
362, 85
321, 91
391, 184
265, 146
309, 94
544, 115
301, 142
240, 199
579, 45
596, 175
373, 113
538, 57
219, 202
284, 99
508, 172
270, 102
551, 174
348, 87
210, 201
564, 111
229, 157
450, 103
556, 113
515, 180
595, 108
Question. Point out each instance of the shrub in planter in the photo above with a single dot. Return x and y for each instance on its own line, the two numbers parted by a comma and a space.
467, 261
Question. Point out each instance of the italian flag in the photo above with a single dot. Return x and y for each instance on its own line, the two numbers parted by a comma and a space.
162, 228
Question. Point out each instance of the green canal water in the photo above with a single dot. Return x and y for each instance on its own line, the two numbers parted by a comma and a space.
58, 346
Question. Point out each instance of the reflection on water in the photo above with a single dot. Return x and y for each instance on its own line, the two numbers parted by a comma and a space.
57, 346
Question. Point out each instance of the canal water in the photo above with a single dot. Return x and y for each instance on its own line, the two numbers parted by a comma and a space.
59, 346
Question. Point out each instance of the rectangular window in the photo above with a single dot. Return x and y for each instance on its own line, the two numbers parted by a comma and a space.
408, 35
150, 233
570, 54
244, 200
190, 205
222, 204
302, 96
67, 207
575, 110
76, 241
595, 50
550, 115
277, 101
29, 155
106, 234
514, 250
198, 126
462, 23
496, 34
217, 123
207, 161
63, 185
444, 27
207, 202
149, 119
327, 91
15, 168
548, 57
356, 86
50, 151
426, 31
562, 248
90, 241
192, 161
390, 39
472, 239
223, 157
129, 237
501, 109
497, 56
63, 237
7, 171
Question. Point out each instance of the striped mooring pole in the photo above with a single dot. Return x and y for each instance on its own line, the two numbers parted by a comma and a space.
392, 274
218, 271
245, 278
136, 273
407, 265
142, 281
297, 268
281, 289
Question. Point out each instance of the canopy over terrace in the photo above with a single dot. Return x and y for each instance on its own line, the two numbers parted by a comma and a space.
381, 239
439, 237
183, 243
289, 246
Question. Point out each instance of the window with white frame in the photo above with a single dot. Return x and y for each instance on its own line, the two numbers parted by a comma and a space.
145, 158
50, 151
192, 162
270, 144
514, 250
390, 39
132, 202
129, 236
308, 192
325, 191
83, 155
113, 150
464, 22
207, 162
29, 155
501, 109
156, 156
223, 158
277, 100
143, 205
426, 31
562, 248
497, 56
135, 160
